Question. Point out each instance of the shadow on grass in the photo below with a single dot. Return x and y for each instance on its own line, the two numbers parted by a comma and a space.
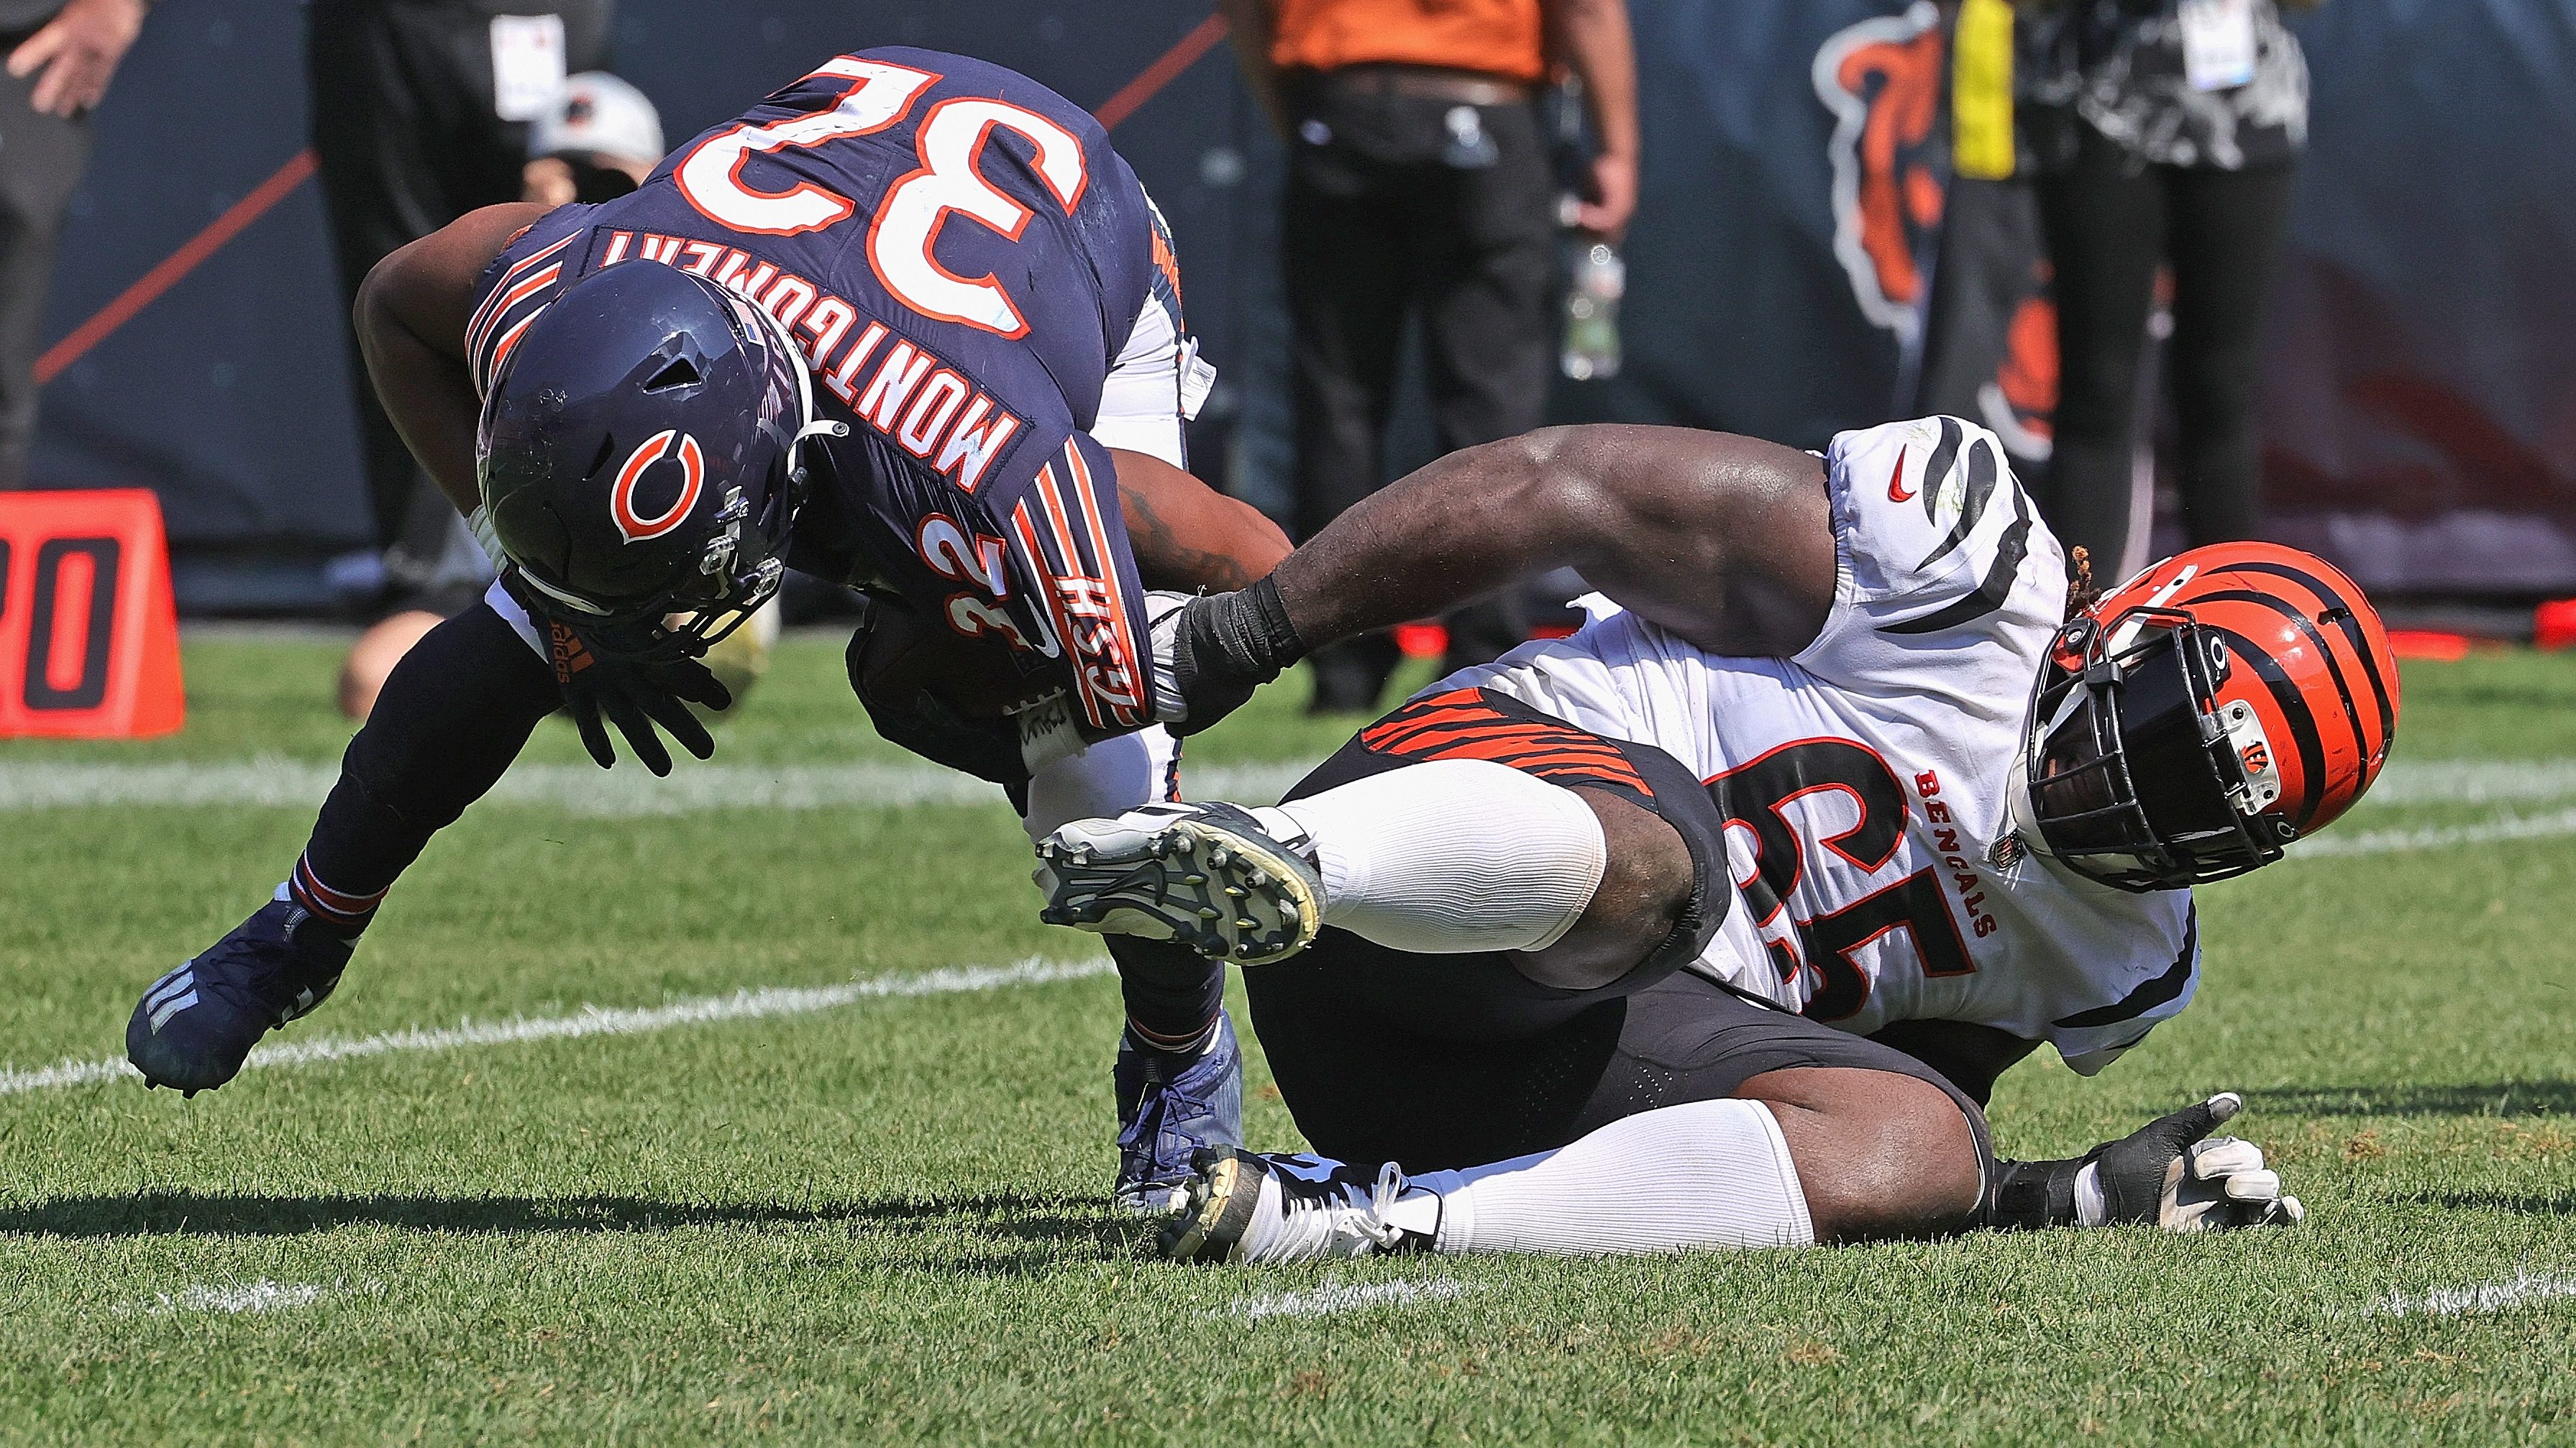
2502, 1098
1076, 1222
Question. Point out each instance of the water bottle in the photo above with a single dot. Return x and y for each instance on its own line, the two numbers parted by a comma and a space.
1592, 314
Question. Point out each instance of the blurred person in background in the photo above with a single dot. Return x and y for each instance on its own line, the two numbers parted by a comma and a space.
2164, 132
1419, 183
595, 144
61, 57
421, 112
598, 140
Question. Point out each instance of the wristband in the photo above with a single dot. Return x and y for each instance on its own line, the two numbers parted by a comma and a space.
1250, 628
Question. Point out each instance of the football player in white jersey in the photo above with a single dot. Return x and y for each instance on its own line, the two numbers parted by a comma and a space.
1836, 742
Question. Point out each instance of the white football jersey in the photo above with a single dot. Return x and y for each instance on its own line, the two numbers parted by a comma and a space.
1866, 780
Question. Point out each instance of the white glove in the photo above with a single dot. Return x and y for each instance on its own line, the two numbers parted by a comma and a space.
1163, 631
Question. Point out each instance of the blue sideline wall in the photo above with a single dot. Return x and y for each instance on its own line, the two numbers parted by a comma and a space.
2423, 400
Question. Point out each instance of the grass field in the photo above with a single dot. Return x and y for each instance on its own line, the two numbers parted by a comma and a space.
878, 1210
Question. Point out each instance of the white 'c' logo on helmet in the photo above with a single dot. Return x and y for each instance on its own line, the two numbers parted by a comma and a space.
621, 494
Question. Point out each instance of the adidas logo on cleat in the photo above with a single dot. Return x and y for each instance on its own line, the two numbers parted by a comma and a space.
170, 995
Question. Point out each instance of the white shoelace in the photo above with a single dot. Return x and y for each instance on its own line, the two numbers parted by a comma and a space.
1390, 1186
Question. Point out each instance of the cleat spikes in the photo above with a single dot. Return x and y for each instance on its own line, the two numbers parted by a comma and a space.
1205, 876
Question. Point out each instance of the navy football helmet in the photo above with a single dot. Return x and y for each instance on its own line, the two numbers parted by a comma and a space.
642, 456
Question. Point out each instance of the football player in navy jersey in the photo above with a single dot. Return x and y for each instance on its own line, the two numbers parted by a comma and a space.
908, 325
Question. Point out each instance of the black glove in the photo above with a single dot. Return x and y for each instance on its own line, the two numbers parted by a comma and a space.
1222, 646
988, 749
632, 695
2165, 1174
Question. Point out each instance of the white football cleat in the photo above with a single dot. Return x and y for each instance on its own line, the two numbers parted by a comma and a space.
1207, 875
1244, 1206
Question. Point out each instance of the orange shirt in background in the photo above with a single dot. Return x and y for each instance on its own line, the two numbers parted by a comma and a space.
1497, 37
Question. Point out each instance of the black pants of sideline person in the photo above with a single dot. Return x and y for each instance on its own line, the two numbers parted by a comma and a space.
41, 161
2109, 222
1382, 224
405, 128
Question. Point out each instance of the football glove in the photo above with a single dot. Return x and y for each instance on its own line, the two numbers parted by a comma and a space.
2169, 1173
603, 689
2172, 1173
634, 696
1214, 650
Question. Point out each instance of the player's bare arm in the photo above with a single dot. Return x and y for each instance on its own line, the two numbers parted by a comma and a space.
411, 318
1724, 540
1187, 535
1727, 541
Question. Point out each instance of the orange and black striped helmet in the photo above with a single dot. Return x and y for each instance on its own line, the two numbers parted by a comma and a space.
2197, 719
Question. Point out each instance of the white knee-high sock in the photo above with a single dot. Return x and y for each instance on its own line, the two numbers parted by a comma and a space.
1703, 1174
1451, 856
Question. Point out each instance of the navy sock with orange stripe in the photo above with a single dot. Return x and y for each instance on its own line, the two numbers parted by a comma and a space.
339, 911
1172, 993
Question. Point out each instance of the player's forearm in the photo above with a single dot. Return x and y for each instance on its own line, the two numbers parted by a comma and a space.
1248, 26
1475, 521
424, 387
428, 396
411, 318
1591, 37
1725, 540
1186, 535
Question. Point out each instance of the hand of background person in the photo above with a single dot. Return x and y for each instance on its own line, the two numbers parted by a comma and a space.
1614, 197
78, 52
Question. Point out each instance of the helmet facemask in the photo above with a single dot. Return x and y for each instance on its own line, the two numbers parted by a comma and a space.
2139, 776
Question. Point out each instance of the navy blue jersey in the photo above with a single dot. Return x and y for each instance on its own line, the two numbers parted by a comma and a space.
960, 256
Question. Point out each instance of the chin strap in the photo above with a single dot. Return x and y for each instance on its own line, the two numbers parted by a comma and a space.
2021, 818
479, 522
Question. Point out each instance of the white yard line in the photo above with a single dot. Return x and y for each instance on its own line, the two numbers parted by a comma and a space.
2440, 837
1338, 1297
577, 789
231, 1297
2475, 781
600, 1021
2468, 1301
629, 792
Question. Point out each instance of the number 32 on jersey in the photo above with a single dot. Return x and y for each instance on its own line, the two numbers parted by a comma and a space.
950, 141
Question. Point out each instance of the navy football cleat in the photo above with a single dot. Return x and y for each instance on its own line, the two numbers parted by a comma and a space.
197, 1024
1166, 1119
